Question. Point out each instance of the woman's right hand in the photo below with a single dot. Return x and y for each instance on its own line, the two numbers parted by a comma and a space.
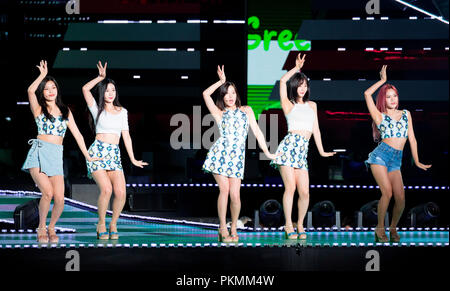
101, 69
299, 61
43, 68
221, 74
93, 159
383, 75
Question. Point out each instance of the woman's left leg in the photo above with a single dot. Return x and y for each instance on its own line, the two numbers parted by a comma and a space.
235, 203
117, 179
302, 183
58, 205
398, 192
58, 199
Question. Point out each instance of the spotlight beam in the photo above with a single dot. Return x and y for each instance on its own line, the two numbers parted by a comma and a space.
440, 18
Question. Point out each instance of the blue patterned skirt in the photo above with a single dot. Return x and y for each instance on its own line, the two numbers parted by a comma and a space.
226, 157
292, 152
111, 157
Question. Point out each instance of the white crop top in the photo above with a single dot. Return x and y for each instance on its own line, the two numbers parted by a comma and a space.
109, 123
301, 117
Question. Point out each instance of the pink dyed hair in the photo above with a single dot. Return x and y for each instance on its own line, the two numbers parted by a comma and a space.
381, 106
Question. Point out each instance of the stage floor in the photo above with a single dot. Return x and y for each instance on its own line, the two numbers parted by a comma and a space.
77, 229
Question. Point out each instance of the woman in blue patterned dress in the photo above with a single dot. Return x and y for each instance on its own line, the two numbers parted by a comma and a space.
393, 127
110, 120
301, 116
226, 157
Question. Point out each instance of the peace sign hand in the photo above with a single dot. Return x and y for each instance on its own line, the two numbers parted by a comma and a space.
300, 61
101, 69
43, 68
221, 74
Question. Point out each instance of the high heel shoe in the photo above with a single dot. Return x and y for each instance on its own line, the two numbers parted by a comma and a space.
102, 235
42, 237
224, 239
290, 235
394, 236
53, 238
302, 235
113, 234
234, 237
383, 238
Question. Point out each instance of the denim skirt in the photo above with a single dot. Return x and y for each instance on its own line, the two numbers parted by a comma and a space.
46, 156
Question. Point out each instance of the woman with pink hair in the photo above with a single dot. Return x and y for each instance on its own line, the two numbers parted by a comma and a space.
393, 127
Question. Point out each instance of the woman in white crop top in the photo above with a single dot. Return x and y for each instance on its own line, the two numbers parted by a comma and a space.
111, 122
301, 115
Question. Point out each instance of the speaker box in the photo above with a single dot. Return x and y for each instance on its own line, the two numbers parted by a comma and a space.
26, 216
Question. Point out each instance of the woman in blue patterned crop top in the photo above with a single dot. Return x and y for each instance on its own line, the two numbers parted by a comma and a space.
45, 158
393, 127
226, 157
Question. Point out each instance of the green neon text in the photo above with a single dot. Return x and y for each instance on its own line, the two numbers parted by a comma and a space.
284, 38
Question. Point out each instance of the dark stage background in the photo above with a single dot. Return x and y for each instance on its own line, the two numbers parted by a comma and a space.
156, 84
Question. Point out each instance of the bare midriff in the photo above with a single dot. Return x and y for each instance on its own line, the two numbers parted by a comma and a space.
397, 143
110, 138
51, 138
305, 133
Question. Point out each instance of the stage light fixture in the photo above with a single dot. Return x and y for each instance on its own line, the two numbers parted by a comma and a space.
408, 4
270, 214
323, 214
369, 214
426, 214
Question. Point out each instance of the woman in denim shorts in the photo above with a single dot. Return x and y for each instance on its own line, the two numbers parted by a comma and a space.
393, 127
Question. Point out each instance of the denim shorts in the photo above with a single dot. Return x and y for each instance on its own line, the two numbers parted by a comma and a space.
387, 156
46, 156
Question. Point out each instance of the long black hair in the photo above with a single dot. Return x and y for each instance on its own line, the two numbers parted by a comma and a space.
292, 85
101, 89
223, 90
43, 103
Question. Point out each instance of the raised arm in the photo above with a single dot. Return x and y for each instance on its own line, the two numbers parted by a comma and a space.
413, 145
34, 104
373, 110
129, 147
79, 138
286, 105
88, 87
257, 132
317, 135
213, 109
